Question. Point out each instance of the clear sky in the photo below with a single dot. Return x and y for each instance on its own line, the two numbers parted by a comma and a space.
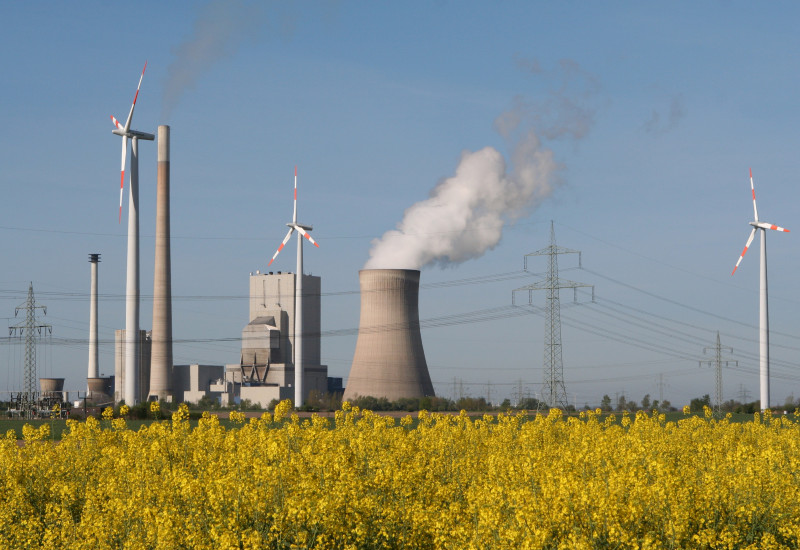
651, 115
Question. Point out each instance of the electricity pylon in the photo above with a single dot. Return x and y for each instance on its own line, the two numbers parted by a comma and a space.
30, 329
718, 362
553, 390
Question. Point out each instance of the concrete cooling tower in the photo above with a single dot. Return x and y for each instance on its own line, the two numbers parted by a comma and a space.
389, 360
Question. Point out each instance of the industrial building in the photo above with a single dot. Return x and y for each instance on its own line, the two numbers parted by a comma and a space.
265, 370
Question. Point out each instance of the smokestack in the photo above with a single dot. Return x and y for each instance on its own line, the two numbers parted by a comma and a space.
93, 370
161, 335
389, 360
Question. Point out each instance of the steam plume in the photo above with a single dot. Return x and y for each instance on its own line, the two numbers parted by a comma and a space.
465, 214
219, 29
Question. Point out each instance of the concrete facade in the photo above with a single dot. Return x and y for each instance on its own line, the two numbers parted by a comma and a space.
389, 360
190, 383
268, 339
272, 295
142, 387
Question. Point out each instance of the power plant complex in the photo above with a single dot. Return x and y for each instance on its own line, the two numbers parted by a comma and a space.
283, 331
280, 355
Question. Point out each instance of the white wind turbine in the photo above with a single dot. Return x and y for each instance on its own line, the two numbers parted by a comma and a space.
763, 307
298, 295
131, 365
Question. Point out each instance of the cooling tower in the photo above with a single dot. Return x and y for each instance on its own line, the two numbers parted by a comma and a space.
100, 390
51, 387
161, 334
389, 360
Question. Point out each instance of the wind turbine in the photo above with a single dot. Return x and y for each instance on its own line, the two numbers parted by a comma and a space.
298, 295
763, 307
131, 366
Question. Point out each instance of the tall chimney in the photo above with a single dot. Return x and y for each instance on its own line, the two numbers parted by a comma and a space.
94, 369
389, 360
161, 336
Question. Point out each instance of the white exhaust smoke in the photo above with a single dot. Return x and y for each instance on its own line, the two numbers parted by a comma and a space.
465, 214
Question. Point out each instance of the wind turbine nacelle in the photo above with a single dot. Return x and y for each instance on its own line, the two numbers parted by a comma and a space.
301, 226
133, 134
141, 135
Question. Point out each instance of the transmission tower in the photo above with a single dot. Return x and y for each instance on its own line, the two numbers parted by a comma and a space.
717, 362
553, 390
30, 330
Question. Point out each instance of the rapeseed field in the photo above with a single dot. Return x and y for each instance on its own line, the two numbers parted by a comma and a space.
365, 481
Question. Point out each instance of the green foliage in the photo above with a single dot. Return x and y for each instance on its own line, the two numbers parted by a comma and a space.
697, 404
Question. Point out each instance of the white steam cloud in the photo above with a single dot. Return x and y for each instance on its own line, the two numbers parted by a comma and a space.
220, 28
465, 214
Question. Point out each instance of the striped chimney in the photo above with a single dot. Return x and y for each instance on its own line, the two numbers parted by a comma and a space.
161, 354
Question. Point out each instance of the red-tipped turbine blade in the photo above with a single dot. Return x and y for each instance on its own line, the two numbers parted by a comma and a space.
749, 240
307, 236
764, 225
116, 122
753, 189
122, 173
135, 97
285, 240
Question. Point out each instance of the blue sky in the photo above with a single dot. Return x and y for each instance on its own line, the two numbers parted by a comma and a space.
653, 114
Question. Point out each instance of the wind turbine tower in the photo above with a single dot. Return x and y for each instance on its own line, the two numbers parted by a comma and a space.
763, 329
132, 284
297, 348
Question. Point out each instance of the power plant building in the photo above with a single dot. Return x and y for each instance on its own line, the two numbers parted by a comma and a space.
266, 368
265, 371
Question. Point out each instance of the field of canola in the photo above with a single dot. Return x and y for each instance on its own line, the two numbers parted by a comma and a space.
366, 481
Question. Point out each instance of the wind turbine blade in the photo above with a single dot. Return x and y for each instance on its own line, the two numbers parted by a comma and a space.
122, 173
753, 189
749, 240
294, 216
307, 236
772, 226
285, 240
116, 122
130, 115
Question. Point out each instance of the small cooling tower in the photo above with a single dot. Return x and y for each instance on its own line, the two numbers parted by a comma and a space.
389, 360
50, 387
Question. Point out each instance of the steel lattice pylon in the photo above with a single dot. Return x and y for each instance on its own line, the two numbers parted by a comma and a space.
718, 362
29, 330
554, 391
